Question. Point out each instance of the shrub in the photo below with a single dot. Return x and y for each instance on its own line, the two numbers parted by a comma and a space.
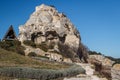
32, 54
14, 46
94, 53
29, 43
83, 53
20, 51
65, 50
43, 46
6, 44
41, 74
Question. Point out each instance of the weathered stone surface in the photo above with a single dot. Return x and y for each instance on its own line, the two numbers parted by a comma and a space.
105, 61
116, 67
116, 72
46, 25
102, 64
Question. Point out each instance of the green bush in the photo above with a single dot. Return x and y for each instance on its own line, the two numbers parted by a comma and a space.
41, 74
94, 53
14, 46
43, 46
29, 43
6, 44
32, 54
20, 51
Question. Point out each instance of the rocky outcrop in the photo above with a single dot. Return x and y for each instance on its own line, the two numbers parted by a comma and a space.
104, 61
102, 65
48, 26
115, 72
116, 67
105, 66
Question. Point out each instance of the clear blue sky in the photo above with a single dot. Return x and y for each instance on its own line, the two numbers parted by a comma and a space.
98, 21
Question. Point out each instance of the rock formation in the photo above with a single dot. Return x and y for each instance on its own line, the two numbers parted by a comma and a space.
115, 72
104, 61
46, 25
105, 66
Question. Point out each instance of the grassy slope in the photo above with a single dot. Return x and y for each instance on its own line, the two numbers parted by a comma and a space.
8, 58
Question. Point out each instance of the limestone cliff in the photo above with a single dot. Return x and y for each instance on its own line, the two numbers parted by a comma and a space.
47, 25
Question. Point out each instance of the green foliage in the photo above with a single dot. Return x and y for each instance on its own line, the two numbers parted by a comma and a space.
43, 46
117, 60
8, 58
14, 46
32, 54
29, 43
41, 74
94, 53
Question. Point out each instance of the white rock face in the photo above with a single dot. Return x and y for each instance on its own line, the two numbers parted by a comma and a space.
46, 25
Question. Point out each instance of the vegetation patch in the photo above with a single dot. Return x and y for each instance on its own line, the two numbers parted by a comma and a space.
14, 46
12, 59
29, 43
94, 53
65, 50
32, 54
43, 46
42, 74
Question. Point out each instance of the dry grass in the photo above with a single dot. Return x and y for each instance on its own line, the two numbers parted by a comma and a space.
11, 59
13, 65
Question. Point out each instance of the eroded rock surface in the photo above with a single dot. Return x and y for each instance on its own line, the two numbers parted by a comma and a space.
46, 24
116, 72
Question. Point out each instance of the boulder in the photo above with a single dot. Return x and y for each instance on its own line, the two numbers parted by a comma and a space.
115, 72
105, 61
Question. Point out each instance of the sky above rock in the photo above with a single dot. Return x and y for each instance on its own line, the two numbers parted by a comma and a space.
98, 21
